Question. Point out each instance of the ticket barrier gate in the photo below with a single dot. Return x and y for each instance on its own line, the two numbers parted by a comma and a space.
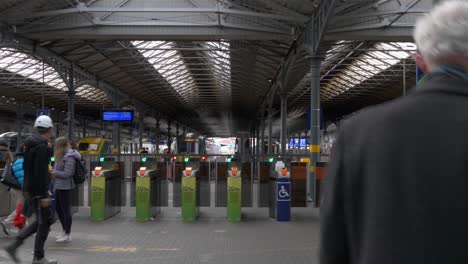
234, 195
148, 194
106, 185
280, 196
190, 195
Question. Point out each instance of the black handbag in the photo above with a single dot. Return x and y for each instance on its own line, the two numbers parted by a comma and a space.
9, 179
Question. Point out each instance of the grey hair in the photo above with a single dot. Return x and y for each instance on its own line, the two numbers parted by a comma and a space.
444, 31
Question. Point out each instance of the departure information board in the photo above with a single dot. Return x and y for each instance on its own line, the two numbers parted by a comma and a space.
117, 115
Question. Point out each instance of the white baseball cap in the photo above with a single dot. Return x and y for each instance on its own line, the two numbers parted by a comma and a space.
44, 122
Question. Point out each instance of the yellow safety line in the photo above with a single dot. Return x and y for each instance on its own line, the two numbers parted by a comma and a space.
64, 248
162, 249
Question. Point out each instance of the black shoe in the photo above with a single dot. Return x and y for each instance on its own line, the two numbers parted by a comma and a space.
5, 228
11, 251
44, 261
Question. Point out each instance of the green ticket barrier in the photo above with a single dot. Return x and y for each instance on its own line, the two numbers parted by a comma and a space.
143, 199
234, 196
189, 197
98, 196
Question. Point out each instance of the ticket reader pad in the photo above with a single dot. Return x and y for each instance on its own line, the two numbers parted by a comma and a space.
280, 205
189, 195
148, 194
234, 195
105, 192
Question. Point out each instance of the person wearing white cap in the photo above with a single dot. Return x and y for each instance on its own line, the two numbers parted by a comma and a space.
36, 191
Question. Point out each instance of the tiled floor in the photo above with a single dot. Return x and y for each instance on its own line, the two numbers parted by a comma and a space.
258, 239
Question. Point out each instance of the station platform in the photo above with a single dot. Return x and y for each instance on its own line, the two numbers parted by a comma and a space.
212, 239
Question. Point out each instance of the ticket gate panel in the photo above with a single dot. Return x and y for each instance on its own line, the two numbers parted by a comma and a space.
178, 167
221, 184
135, 166
164, 185
298, 184
265, 170
190, 197
110, 165
204, 185
247, 184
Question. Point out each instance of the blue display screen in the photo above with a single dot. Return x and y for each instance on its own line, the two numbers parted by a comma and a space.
296, 142
117, 116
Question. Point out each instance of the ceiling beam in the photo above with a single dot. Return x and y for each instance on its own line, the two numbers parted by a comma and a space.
81, 8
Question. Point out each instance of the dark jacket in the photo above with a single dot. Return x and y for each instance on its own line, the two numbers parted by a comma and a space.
396, 191
36, 171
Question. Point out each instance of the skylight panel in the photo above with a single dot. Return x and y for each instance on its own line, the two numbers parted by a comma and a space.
383, 57
23, 64
169, 63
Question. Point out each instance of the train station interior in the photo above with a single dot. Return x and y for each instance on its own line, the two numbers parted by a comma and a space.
205, 126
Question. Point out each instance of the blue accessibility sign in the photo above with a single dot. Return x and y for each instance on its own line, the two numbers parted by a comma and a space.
40, 112
284, 191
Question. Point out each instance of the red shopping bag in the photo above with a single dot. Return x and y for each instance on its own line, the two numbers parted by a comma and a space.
20, 220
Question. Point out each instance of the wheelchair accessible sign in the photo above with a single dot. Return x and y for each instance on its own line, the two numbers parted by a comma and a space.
283, 191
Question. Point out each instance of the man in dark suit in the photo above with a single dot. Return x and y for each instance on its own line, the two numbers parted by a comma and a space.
396, 191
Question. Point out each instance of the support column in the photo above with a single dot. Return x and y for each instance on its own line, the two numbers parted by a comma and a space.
270, 131
19, 124
284, 115
116, 128
262, 134
404, 77
140, 131
314, 147
157, 134
257, 140
169, 136
71, 104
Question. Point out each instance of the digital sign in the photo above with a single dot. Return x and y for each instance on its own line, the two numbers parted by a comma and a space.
117, 115
296, 142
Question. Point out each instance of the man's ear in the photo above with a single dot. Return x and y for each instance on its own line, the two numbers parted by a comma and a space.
421, 62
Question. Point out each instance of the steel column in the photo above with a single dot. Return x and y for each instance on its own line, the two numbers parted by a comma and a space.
262, 137
284, 116
314, 147
257, 139
157, 135
404, 77
140, 132
169, 136
116, 127
71, 103
270, 131
19, 125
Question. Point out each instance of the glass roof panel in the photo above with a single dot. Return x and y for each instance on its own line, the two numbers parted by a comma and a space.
169, 63
382, 57
23, 64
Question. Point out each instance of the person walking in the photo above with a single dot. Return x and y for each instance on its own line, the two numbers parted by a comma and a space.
65, 160
396, 187
7, 159
36, 191
17, 196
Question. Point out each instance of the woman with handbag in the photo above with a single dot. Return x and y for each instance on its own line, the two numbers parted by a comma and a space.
16, 170
64, 169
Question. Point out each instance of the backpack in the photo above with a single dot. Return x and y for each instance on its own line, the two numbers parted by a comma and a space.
80, 171
9, 179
